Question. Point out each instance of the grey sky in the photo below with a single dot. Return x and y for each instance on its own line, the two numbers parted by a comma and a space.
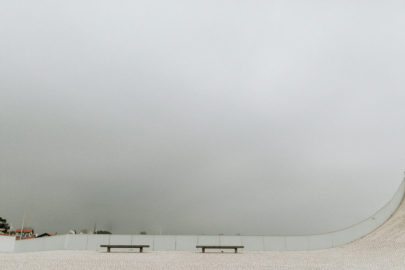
252, 117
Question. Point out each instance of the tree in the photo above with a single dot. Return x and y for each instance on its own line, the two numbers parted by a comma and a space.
4, 227
103, 232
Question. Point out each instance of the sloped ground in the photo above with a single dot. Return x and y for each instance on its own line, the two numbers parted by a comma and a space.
382, 249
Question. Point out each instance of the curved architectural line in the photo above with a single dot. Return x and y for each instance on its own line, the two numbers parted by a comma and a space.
188, 242
351, 233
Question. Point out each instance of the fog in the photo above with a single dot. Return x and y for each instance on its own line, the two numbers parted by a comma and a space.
200, 117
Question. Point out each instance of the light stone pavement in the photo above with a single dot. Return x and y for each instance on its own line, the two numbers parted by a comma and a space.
383, 249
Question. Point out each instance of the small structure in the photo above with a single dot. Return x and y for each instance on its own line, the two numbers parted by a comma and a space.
24, 233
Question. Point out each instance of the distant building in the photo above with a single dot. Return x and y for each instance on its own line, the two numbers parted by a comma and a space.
45, 235
24, 233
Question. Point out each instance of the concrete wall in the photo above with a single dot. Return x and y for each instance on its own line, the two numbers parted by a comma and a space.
188, 242
7, 243
41, 244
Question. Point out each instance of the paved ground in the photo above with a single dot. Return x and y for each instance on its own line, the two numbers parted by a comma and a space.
383, 249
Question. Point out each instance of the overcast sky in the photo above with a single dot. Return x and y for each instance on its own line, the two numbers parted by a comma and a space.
205, 117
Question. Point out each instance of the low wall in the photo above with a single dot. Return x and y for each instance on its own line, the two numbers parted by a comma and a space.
7, 243
41, 244
189, 242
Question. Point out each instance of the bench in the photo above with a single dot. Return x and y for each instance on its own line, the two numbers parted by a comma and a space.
219, 247
109, 247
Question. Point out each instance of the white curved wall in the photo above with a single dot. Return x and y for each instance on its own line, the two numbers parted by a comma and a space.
7, 244
188, 242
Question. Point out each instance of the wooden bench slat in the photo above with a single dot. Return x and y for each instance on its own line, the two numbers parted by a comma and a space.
220, 247
124, 246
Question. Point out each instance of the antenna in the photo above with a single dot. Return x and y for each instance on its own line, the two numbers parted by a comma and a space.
22, 226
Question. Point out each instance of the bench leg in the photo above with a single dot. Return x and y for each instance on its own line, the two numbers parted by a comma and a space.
236, 250
203, 250
140, 249
108, 249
